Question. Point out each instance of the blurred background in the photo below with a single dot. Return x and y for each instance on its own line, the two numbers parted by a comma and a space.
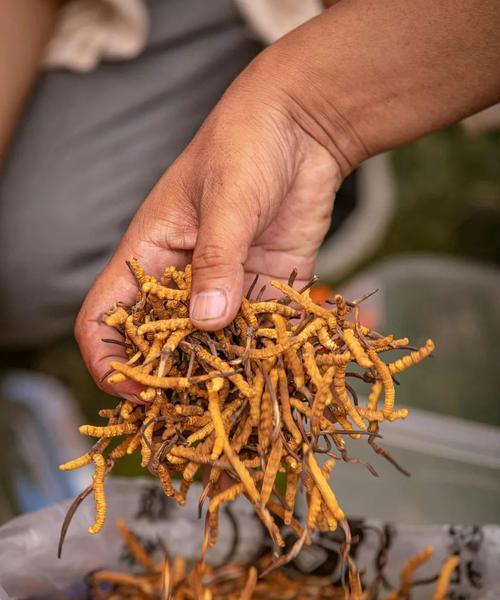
421, 224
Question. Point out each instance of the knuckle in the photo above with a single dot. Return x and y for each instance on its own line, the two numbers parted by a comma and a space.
170, 232
212, 258
180, 234
171, 225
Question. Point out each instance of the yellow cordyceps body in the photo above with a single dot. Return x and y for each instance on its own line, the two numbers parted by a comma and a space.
315, 498
108, 430
117, 318
410, 566
170, 579
263, 396
272, 468
411, 359
323, 487
357, 349
99, 496
76, 463
136, 548
305, 301
385, 376
444, 577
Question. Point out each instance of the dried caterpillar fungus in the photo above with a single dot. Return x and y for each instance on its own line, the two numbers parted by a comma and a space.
266, 395
163, 577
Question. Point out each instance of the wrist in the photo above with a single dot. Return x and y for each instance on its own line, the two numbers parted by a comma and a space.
366, 76
302, 88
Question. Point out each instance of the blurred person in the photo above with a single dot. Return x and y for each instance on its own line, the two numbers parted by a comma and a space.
124, 85
253, 190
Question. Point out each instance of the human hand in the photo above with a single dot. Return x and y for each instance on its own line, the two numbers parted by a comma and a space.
252, 193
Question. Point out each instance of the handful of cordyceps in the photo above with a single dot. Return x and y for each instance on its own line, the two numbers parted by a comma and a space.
266, 395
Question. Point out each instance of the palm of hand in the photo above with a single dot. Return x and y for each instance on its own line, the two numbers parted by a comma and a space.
247, 196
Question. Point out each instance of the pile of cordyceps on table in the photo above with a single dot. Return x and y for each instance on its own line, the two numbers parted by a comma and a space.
266, 395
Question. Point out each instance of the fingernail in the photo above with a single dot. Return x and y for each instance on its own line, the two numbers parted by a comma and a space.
208, 305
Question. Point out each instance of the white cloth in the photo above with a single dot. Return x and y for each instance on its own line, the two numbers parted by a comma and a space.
272, 19
90, 31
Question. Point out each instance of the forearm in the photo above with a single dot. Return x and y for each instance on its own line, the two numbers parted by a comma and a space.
368, 75
25, 27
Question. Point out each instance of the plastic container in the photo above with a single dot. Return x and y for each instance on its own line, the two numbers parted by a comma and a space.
454, 466
38, 431
451, 441
455, 302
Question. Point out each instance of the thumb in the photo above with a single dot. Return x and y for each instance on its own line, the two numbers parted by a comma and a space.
225, 234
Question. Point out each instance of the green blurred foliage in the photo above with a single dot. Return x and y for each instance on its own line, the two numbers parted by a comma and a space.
448, 196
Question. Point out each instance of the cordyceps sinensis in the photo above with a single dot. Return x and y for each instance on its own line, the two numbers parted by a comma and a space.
176, 578
265, 396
